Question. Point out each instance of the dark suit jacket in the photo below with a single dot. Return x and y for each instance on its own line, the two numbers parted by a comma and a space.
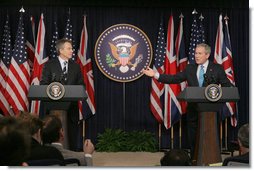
241, 159
214, 71
39, 152
53, 69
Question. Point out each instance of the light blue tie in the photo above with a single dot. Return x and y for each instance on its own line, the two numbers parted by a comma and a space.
201, 76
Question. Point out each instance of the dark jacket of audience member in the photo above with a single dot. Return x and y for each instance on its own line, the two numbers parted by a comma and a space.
38, 151
175, 157
243, 140
14, 142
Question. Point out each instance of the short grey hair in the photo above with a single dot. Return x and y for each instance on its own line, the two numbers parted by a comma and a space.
206, 46
243, 135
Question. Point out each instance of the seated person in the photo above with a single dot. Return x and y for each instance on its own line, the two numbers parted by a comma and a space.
14, 142
175, 157
38, 151
243, 140
52, 134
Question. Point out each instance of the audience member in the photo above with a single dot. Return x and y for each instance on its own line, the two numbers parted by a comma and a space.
14, 142
176, 157
243, 140
38, 151
53, 135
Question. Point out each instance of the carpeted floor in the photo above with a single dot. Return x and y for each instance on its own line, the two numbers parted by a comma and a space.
135, 159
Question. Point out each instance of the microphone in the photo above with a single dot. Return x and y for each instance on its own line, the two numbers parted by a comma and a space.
213, 80
207, 80
53, 77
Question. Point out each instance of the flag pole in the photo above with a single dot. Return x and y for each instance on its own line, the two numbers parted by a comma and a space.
221, 136
84, 130
172, 137
180, 134
159, 140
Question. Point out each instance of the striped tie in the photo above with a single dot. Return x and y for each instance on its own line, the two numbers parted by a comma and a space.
65, 71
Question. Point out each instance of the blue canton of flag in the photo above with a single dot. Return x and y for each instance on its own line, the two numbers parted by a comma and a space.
201, 31
193, 39
4, 66
68, 35
55, 37
157, 87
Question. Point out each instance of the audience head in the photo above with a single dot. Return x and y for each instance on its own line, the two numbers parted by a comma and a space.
51, 131
243, 136
14, 142
33, 123
175, 157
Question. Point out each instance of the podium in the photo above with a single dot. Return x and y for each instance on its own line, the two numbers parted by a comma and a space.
58, 107
207, 149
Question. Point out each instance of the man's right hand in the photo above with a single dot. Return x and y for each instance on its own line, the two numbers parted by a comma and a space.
149, 72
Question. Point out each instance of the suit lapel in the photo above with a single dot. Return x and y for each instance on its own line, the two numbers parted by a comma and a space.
195, 75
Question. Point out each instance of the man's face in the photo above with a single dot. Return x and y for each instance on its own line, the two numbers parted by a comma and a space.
200, 55
66, 51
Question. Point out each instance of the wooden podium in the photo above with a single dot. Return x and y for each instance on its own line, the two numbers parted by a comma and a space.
58, 107
207, 149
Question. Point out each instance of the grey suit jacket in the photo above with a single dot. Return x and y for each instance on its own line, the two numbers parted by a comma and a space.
84, 161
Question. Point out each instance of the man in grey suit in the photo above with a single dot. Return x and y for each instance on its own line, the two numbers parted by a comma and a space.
64, 70
204, 70
52, 134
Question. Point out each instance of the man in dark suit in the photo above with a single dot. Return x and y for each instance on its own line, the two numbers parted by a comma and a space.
196, 75
64, 70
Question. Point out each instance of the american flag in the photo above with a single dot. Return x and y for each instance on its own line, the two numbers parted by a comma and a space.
226, 60
87, 107
193, 39
18, 81
172, 108
157, 87
55, 37
30, 42
4, 66
39, 60
181, 57
68, 34
201, 31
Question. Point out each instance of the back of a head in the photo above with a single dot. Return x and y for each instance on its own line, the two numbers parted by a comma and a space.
51, 129
14, 142
243, 135
175, 157
33, 122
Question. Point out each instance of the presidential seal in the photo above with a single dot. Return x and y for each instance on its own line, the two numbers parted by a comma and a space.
122, 51
55, 90
213, 92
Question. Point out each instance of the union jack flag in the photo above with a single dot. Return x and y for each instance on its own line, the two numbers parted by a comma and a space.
18, 81
157, 87
30, 42
4, 66
223, 54
181, 57
172, 108
55, 37
39, 60
85, 108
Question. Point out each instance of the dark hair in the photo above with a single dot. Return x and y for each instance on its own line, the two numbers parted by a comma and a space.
14, 142
60, 43
32, 121
243, 135
51, 129
175, 157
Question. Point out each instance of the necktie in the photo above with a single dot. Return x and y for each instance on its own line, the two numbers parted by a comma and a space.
65, 71
201, 76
